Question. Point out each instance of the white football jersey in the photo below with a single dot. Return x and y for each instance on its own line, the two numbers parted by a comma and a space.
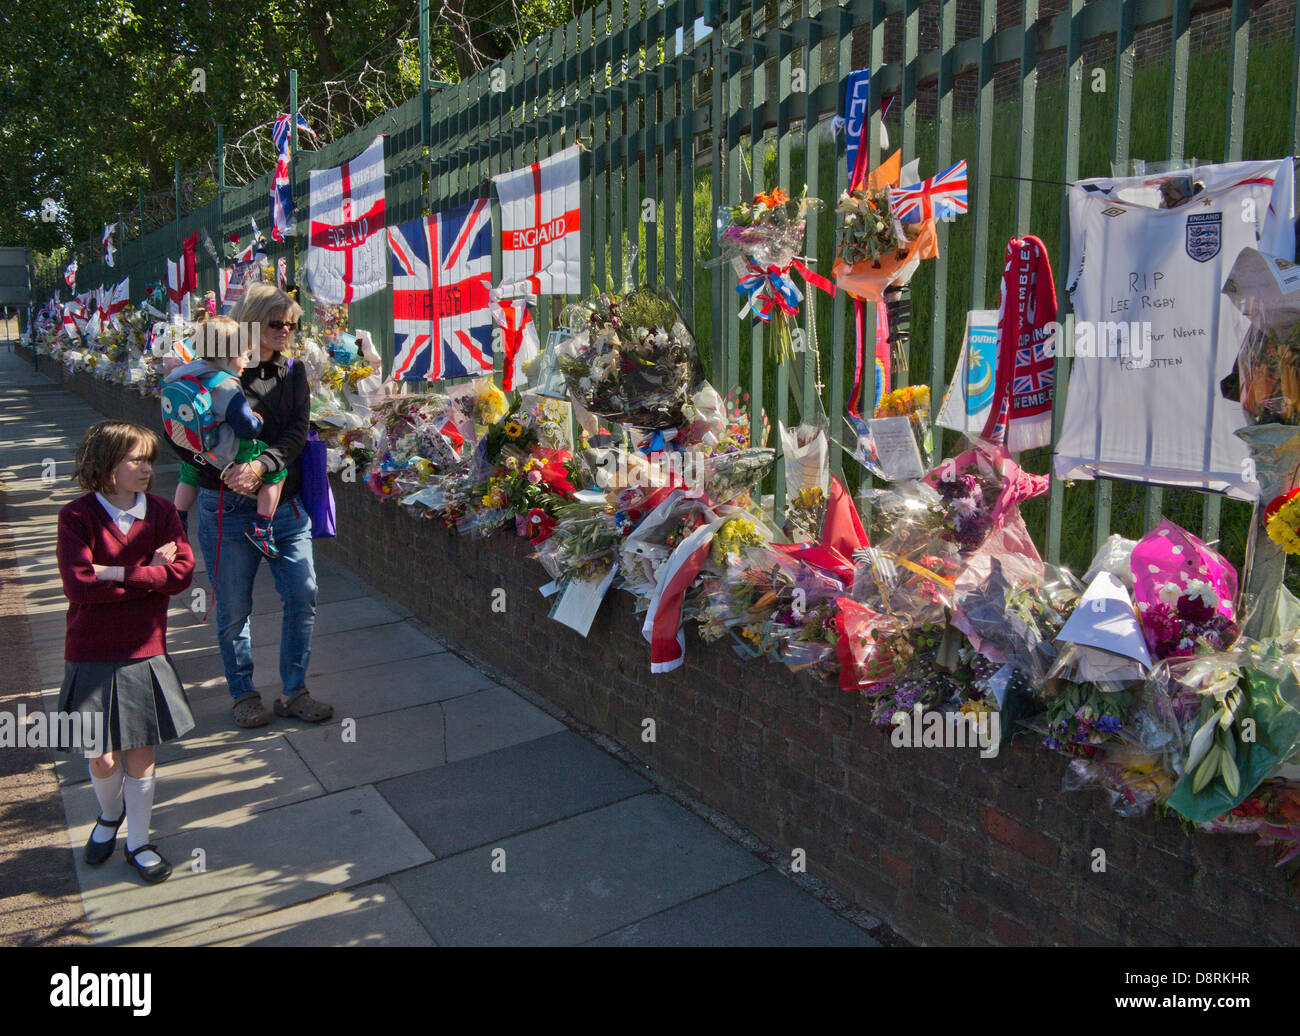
1153, 335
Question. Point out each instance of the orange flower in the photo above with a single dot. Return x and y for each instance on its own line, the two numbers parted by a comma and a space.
772, 198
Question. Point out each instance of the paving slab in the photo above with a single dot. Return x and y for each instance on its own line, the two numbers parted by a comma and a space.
334, 617
332, 652
373, 915
765, 910
492, 719
386, 745
577, 879
220, 788
489, 797
399, 684
272, 860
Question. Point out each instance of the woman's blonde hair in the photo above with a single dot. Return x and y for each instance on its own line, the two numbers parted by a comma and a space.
263, 302
105, 447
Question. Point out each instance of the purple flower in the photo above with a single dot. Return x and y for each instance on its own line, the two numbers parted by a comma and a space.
1108, 724
972, 532
1192, 608
1051, 742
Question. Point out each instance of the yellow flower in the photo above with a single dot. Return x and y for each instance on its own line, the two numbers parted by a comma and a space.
514, 429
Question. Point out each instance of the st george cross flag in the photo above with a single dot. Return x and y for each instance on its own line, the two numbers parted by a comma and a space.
345, 260
442, 266
934, 198
518, 336
175, 285
540, 246
69, 323
109, 251
115, 300
70, 274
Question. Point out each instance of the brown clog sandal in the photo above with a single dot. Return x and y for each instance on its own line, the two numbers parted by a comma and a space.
304, 707
250, 712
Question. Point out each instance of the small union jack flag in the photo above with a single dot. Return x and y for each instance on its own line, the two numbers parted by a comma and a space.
934, 198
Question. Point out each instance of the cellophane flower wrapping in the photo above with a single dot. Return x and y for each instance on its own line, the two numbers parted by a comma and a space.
1257, 686
1184, 593
913, 562
1272, 812
630, 360
1268, 362
1011, 604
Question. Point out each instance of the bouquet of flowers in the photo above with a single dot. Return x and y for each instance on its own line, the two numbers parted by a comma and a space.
1184, 593
762, 240
1235, 719
1267, 378
868, 227
630, 360
1272, 811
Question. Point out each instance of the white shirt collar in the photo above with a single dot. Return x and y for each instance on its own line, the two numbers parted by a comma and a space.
136, 510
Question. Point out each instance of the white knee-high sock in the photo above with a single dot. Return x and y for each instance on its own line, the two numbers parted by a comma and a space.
138, 793
108, 790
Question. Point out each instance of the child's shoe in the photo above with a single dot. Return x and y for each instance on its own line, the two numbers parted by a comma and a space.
261, 536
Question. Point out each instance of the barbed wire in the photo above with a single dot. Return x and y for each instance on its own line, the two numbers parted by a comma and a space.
333, 108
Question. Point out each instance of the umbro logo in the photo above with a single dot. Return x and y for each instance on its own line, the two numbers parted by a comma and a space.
1114, 210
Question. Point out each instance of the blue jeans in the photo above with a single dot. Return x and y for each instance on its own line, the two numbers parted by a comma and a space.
231, 576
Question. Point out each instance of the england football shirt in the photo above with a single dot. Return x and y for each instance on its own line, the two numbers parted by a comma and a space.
1153, 335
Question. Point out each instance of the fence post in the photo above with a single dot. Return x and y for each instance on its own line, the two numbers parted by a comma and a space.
292, 265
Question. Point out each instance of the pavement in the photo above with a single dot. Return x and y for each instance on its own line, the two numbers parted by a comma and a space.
443, 805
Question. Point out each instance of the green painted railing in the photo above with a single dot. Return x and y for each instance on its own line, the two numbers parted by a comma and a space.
683, 106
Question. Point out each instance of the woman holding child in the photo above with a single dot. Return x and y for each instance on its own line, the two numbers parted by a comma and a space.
230, 531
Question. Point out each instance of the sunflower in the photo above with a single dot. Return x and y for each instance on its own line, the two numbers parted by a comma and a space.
514, 429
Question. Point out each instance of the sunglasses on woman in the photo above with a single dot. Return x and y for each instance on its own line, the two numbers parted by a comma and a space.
281, 325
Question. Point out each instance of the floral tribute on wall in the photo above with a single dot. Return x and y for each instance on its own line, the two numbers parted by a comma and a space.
937, 614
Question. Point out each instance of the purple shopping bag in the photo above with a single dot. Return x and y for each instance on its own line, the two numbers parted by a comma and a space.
317, 495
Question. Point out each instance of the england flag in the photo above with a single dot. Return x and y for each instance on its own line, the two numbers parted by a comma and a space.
113, 301
175, 285
442, 324
540, 246
345, 259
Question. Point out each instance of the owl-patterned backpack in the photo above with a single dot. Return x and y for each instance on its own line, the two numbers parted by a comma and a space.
187, 414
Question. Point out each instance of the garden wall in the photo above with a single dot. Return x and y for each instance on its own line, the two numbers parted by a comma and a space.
946, 847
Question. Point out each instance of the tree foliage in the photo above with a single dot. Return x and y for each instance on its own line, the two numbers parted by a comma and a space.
99, 97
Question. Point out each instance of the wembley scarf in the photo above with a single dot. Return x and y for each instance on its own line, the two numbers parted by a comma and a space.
1020, 416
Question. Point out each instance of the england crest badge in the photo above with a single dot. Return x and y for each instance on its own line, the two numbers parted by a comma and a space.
1204, 235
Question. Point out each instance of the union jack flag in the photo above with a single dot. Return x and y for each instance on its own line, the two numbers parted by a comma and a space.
444, 303
282, 206
933, 198
70, 274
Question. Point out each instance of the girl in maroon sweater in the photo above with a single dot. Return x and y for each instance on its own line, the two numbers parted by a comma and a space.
122, 554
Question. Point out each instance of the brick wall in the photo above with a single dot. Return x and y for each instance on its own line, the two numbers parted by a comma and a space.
946, 847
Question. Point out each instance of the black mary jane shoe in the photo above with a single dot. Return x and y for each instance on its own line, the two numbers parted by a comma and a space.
98, 852
160, 871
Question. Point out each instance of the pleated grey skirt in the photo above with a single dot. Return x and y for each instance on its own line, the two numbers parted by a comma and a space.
135, 703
